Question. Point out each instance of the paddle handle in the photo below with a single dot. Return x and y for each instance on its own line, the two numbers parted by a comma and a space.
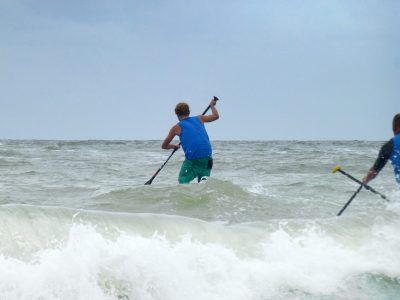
366, 186
208, 107
363, 184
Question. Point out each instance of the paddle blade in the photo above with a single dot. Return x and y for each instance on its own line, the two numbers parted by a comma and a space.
149, 181
335, 169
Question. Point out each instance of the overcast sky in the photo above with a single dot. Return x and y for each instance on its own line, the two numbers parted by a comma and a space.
106, 69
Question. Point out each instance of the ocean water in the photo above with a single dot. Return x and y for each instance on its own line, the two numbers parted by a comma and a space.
76, 222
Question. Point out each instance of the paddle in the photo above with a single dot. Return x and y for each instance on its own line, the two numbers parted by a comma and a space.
369, 188
351, 199
173, 152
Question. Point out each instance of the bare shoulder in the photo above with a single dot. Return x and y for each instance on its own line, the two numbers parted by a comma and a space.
176, 129
201, 118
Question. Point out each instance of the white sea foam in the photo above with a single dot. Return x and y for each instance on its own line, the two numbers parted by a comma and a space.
288, 260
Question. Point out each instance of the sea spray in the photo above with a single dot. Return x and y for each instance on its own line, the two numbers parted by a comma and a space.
279, 259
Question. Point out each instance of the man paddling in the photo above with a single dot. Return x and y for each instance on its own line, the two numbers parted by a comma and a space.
195, 142
389, 151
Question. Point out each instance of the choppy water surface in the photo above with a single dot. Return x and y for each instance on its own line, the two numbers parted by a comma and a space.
76, 222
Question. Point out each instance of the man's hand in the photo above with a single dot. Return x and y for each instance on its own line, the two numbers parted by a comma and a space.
167, 142
214, 114
371, 175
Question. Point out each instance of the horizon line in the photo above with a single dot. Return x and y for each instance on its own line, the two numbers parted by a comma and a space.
215, 140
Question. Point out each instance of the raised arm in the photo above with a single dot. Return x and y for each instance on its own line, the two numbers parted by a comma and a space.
214, 113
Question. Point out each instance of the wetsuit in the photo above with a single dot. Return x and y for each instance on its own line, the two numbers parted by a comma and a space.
197, 147
390, 151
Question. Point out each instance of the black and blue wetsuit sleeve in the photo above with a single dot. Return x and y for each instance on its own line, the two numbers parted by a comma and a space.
383, 157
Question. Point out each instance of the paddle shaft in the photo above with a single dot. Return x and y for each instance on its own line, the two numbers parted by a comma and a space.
173, 152
348, 202
364, 185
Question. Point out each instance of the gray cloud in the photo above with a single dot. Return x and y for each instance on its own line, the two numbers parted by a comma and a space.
283, 69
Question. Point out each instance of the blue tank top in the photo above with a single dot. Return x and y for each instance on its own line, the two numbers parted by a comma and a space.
194, 138
395, 157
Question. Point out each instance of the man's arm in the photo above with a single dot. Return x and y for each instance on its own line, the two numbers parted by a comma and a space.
380, 162
167, 142
214, 114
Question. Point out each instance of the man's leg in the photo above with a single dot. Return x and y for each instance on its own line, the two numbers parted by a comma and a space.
202, 167
187, 173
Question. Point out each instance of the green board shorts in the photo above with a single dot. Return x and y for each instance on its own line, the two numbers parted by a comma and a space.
196, 168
